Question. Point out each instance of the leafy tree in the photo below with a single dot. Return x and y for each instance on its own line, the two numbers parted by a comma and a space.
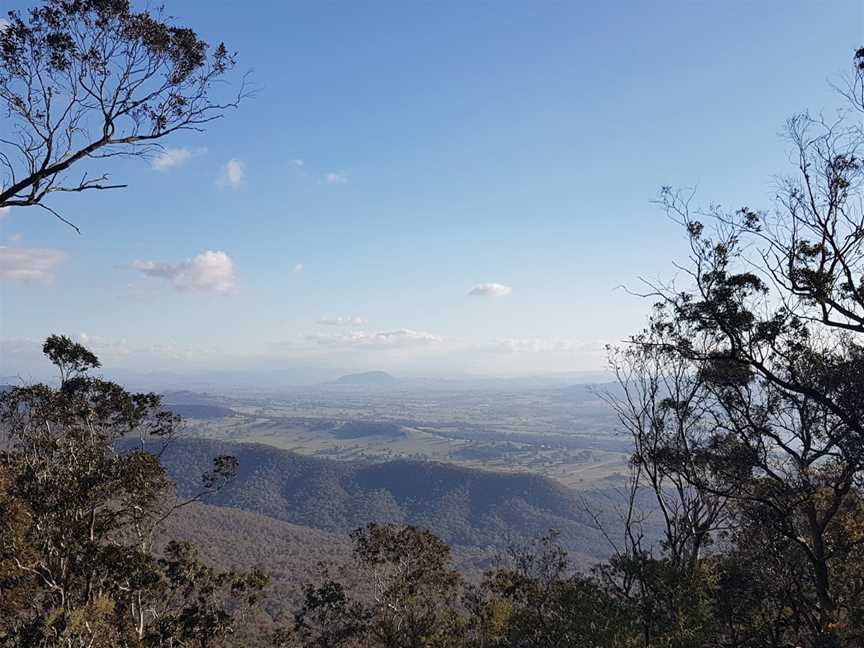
77, 565
410, 596
83, 81
412, 599
329, 618
200, 605
537, 600
744, 399
414, 586
16, 586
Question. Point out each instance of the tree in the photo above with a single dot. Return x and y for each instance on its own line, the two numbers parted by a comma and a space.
767, 435
664, 407
663, 404
329, 618
412, 599
536, 600
414, 587
16, 586
87, 80
82, 501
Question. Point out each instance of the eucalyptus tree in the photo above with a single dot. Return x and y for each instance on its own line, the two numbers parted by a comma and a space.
767, 339
85, 81
83, 498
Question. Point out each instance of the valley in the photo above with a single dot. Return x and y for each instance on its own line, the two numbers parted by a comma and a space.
568, 433
474, 510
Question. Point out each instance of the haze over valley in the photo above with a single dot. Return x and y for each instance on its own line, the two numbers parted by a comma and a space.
567, 433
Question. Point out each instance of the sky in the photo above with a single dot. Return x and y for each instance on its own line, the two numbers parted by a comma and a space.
427, 188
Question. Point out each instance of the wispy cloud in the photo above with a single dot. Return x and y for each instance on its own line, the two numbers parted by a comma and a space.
543, 345
342, 321
120, 349
298, 163
233, 174
298, 268
399, 339
105, 347
490, 290
334, 178
210, 271
29, 264
4, 212
171, 158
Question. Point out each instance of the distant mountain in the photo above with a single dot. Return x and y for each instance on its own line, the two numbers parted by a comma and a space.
289, 379
467, 507
367, 379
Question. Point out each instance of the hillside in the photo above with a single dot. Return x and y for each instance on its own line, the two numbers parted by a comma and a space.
469, 508
292, 555
232, 539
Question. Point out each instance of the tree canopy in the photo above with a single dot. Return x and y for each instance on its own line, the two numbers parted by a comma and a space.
79, 514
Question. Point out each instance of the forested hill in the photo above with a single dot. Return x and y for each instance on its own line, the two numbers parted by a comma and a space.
467, 507
292, 555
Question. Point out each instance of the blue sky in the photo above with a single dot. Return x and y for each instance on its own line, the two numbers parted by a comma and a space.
400, 154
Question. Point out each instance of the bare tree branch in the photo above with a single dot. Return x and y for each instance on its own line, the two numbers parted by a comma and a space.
85, 81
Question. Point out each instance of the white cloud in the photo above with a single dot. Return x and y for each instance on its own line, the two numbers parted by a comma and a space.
114, 349
24, 356
336, 178
233, 174
171, 158
105, 348
342, 321
490, 290
211, 271
4, 212
170, 350
298, 268
29, 264
544, 345
298, 163
398, 339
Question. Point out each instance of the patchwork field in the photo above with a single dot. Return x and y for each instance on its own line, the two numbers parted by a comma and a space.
567, 434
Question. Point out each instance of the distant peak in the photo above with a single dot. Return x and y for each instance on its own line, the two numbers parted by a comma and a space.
367, 378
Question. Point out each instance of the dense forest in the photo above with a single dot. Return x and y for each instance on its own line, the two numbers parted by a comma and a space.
468, 508
742, 398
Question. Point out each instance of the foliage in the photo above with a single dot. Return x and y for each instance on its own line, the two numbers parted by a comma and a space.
744, 400
537, 600
413, 592
77, 564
